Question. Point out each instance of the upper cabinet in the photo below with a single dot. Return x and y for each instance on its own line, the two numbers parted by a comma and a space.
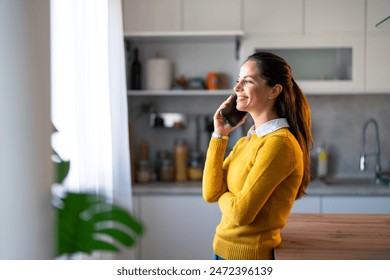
304, 17
377, 48
377, 10
181, 16
333, 40
319, 65
211, 15
273, 17
323, 41
151, 15
335, 16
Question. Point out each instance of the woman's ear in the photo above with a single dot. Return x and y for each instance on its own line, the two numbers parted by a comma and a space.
276, 90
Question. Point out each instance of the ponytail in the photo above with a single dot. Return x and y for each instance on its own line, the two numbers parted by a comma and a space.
302, 132
292, 104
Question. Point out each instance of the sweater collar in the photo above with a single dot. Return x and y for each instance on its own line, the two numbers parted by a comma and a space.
268, 127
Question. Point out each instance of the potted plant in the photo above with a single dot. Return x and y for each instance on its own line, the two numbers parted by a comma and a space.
88, 222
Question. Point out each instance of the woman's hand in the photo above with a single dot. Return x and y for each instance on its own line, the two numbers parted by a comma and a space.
220, 125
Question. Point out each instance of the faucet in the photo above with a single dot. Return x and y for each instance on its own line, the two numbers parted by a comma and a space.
376, 153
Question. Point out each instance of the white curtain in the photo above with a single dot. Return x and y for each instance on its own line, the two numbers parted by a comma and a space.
89, 103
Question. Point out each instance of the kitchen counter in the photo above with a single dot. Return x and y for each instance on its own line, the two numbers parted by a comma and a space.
335, 237
316, 188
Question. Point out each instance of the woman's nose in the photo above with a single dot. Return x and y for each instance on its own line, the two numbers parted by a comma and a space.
237, 87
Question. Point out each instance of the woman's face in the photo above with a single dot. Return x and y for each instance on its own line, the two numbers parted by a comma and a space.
252, 91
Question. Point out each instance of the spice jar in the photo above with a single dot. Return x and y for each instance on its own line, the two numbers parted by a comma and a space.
166, 170
144, 172
195, 170
164, 166
212, 81
180, 160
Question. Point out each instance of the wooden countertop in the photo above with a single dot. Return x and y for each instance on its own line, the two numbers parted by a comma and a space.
335, 237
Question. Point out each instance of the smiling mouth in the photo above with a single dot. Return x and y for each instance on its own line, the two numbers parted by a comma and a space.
241, 97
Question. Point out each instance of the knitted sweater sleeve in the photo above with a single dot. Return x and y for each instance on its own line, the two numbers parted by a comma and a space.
273, 163
214, 179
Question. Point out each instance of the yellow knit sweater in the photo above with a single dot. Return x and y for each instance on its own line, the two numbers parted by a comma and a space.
255, 187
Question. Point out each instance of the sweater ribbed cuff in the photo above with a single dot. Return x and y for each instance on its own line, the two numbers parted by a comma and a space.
218, 145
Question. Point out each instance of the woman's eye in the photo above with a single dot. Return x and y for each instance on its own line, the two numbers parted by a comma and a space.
245, 82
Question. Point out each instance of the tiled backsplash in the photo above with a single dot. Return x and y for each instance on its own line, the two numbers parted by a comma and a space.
337, 120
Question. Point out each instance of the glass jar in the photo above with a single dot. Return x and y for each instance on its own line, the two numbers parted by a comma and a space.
144, 171
164, 166
166, 170
195, 170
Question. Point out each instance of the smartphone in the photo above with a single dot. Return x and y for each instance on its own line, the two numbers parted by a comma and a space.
231, 114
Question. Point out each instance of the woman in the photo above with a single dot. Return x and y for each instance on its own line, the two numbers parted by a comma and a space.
257, 184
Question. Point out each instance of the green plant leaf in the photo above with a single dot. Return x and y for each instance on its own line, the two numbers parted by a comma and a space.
80, 218
118, 235
62, 170
119, 215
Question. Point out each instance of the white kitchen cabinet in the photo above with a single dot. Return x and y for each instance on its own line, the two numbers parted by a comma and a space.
177, 227
377, 10
183, 226
378, 64
356, 204
307, 204
277, 16
304, 17
377, 49
211, 15
181, 17
342, 204
310, 26
151, 15
342, 73
336, 16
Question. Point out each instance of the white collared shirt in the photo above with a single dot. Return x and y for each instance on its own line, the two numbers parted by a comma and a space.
268, 127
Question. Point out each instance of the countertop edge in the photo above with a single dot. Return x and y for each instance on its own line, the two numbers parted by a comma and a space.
315, 188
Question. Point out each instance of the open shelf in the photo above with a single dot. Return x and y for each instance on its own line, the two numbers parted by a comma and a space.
180, 92
183, 35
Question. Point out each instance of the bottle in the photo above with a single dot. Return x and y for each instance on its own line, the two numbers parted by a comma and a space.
144, 150
136, 71
144, 170
180, 160
322, 161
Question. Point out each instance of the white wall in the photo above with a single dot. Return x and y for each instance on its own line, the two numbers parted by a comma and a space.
26, 171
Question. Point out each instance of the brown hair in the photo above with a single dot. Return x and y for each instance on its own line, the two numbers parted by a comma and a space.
290, 104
